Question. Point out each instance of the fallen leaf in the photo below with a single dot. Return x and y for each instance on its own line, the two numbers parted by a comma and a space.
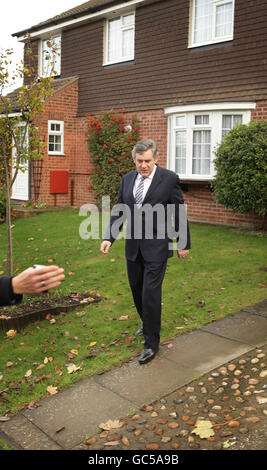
4, 418
52, 390
11, 333
91, 344
60, 429
124, 317
74, 351
261, 284
125, 441
261, 400
80, 314
112, 443
72, 368
28, 373
1, 377
9, 364
227, 444
203, 429
111, 424
40, 366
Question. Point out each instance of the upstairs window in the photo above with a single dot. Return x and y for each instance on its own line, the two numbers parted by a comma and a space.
120, 39
55, 138
50, 57
211, 21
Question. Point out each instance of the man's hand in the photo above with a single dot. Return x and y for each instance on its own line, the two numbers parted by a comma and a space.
105, 246
182, 253
36, 281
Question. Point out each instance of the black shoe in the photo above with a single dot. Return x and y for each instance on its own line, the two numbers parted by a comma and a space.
146, 356
139, 331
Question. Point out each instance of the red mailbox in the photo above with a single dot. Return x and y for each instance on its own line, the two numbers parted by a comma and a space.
59, 182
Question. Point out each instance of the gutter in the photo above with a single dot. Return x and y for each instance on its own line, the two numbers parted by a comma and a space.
72, 18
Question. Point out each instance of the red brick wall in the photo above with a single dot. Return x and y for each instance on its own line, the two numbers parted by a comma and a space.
153, 124
63, 106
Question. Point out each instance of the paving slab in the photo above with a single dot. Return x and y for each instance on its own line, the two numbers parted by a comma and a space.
77, 411
26, 436
243, 326
201, 351
258, 309
143, 384
190, 355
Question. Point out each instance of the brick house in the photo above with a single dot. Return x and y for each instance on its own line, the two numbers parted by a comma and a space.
189, 70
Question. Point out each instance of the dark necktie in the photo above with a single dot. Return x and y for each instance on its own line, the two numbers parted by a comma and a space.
139, 192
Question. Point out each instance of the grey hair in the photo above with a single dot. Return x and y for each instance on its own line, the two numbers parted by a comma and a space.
144, 145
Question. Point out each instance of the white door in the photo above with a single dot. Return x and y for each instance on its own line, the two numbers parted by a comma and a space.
20, 188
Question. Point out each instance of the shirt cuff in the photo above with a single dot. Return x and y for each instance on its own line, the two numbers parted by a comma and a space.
15, 298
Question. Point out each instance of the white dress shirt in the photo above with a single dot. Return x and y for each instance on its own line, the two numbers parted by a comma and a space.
147, 182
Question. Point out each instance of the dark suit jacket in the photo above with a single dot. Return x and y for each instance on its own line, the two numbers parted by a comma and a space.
7, 296
164, 190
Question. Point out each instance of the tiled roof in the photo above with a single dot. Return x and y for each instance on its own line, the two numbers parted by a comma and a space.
57, 85
85, 8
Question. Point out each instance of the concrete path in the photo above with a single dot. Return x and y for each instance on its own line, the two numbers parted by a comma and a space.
62, 421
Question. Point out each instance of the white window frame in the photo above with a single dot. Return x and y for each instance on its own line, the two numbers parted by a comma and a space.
120, 58
57, 71
213, 39
56, 133
215, 112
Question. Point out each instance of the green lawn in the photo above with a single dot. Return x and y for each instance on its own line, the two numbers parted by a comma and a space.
223, 272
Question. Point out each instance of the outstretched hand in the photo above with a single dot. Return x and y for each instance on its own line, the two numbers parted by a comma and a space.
36, 281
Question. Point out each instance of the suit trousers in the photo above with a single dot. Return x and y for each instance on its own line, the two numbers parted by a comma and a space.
145, 279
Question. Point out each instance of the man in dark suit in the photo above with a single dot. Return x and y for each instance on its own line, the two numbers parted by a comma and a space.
31, 281
144, 199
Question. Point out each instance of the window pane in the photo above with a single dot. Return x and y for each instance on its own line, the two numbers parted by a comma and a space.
237, 119
127, 43
201, 152
229, 121
128, 19
203, 20
202, 119
180, 121
114, 40
224, 20
180, 152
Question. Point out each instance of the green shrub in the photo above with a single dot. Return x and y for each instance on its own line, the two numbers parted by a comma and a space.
241, 164
110, 147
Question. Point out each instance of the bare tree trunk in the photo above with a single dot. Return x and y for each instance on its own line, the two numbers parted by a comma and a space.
8, 221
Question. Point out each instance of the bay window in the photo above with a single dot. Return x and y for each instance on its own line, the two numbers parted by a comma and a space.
194, 133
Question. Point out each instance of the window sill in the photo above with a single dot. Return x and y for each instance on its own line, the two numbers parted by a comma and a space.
215, 42
120, 62
55, 154
196, 179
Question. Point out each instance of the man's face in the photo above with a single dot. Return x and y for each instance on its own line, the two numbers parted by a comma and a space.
145, 163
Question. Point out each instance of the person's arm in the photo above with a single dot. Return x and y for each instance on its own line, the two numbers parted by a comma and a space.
110, 236
7, 295
31, 281
180, 213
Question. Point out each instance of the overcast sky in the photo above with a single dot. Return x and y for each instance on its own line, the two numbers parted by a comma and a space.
17, 15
